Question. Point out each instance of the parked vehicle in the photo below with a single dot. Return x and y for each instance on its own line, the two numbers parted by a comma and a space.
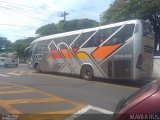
8, 62
143, 104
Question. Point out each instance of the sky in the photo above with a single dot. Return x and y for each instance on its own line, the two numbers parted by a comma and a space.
19, 19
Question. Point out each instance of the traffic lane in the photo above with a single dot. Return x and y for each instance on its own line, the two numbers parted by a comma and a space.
94, 93
23, 69
20, 99
10, 69
26, 105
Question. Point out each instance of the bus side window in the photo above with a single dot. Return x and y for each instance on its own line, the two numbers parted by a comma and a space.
81, 39
122, 35
52, 46
100, 37
94, 40
67, 39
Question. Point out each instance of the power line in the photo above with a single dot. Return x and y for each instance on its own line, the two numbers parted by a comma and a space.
23, 13
27, 7
28, 10
16, 25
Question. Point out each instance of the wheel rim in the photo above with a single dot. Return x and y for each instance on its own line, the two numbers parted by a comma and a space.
87, 73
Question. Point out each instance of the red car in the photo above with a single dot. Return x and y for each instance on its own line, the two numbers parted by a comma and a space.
142, 105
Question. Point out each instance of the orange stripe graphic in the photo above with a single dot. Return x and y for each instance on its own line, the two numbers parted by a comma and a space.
105, 51
67, 53
56, 54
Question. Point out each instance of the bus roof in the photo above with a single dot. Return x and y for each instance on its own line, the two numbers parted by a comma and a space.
84, 30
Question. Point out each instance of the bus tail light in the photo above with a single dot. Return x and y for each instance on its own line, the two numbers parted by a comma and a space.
139, 62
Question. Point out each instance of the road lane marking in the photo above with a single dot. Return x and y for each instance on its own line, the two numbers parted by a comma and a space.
52, 95
87, 108
14, 74
100, 109
39, 100
4, 75
21, 72
16, 92
9, 108
7, 104
5, 87
70, 111
30, 72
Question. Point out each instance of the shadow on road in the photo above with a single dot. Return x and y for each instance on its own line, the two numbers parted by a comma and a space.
128, 83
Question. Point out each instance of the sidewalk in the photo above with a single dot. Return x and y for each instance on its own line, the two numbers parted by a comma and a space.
156, 68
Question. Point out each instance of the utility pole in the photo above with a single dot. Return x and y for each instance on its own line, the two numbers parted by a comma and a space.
64, 14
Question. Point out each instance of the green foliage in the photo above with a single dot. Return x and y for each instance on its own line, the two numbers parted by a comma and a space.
47, 30
65, 26
20, 45
122, 10
3, 55
79, 24
4, 44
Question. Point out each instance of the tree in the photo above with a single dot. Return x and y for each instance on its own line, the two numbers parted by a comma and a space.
47, 30
4, 44
20, 45
78, 24
65, 26
122, 10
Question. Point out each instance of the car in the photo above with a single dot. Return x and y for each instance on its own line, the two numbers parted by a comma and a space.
144, 104
8, 62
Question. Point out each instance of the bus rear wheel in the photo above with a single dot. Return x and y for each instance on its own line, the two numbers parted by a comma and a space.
37, 68
87, 72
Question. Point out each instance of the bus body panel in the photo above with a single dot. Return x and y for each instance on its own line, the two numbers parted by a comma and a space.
116, 57
143, 53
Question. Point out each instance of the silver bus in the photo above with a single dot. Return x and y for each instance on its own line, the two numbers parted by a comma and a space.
121, 50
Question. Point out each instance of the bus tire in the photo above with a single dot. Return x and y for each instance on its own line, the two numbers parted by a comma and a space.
37, 68
87, 72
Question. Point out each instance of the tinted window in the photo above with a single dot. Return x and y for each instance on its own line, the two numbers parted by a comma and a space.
52, 46
63, 46
67, 39
100, 37
42, 46
81, 39
122, 35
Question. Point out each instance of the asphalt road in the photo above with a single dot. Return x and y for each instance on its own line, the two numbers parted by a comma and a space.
22, 91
